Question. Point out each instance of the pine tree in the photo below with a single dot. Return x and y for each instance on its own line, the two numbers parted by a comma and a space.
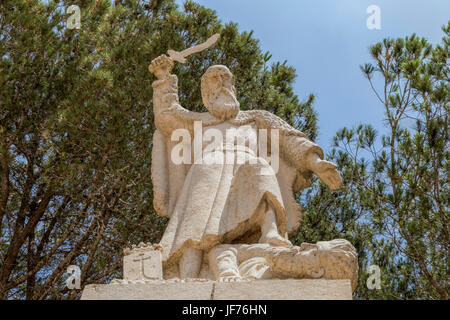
395, 204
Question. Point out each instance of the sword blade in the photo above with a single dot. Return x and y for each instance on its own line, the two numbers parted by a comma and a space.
200, 47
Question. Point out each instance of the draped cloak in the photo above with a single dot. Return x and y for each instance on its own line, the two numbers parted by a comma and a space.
210, 204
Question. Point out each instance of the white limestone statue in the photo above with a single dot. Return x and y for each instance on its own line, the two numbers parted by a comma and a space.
214, 203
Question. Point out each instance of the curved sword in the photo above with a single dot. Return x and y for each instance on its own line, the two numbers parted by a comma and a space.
181, 56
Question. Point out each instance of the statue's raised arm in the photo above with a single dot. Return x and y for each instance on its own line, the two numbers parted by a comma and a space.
169, 114
165, 96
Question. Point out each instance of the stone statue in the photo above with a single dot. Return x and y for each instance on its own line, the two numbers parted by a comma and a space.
212, 202
230, 203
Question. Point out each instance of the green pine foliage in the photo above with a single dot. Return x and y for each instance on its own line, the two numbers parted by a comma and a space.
394, 206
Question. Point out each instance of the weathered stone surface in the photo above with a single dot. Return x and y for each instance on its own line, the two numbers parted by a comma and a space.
332, 260
154, 290
142, 262
289, 289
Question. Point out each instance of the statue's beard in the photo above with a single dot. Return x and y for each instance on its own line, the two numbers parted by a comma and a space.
223, 105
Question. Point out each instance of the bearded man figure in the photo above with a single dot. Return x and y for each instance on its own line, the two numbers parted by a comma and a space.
212, 202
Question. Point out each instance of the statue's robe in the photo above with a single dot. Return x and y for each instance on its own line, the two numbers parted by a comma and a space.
210, 204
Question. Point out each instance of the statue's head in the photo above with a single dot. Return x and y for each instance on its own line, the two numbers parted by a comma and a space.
219, 92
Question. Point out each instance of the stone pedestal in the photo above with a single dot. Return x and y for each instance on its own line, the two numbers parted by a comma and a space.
290, 289
143, 277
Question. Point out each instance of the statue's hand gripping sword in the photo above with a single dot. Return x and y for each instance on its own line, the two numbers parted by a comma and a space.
162, 65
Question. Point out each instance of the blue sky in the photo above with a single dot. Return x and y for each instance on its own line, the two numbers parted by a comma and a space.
326, 41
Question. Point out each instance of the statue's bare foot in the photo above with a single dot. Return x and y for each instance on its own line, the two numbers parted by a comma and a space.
274, 239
